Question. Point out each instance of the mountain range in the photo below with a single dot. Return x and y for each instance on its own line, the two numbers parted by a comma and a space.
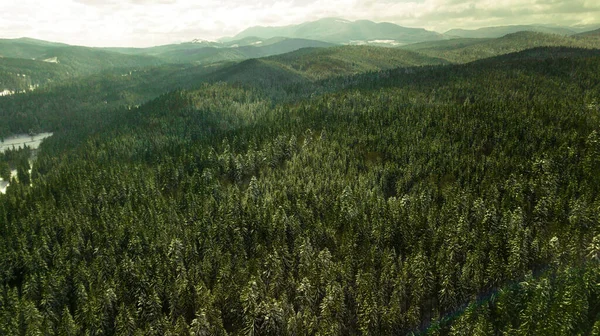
341, 31
26, 63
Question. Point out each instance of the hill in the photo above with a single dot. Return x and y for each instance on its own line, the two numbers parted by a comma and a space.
22, 74
63, 103
495, 32
82, 60
277, 73
43, 62
73, 101
467, 50
590, 36
592, 33
344, 32
26, 48
319, 64
192, 53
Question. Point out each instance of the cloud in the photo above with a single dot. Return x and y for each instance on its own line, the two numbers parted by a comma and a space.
151, 22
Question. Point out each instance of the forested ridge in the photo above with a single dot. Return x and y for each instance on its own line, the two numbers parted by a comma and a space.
442, 200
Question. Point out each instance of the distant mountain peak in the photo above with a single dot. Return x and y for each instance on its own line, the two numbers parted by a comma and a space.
342, 31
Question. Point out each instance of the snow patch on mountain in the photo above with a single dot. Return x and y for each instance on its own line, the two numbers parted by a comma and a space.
51, 60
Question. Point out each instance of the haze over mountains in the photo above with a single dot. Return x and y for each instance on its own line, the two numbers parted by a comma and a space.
341, 31
492, 32
267, 57
328, 178
308, 52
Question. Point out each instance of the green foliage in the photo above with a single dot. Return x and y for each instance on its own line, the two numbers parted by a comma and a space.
27, 63
374, 204
203, 54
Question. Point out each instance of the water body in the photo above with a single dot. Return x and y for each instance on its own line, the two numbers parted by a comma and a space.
20, 141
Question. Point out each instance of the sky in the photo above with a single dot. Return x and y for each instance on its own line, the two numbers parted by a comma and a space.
142, 23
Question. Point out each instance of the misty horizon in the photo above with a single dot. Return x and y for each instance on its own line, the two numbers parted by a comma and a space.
145, 23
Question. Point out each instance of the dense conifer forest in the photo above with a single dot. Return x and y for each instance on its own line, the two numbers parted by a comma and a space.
436, 199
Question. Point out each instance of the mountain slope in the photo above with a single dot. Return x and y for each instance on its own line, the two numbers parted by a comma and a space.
590, 36
26, 62
467, 50
26, 48
213, 52
349, 60
18, 75
80, 59
206, 55
495, 32
314, 64
73, 101
592, 33
344, 32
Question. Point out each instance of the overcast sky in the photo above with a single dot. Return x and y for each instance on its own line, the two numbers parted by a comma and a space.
154, 22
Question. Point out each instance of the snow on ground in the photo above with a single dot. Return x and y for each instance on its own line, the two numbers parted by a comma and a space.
391, 42
7, 92
21, 140
51, 60
3, 185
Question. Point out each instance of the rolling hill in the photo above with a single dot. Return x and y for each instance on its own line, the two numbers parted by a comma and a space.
26, 48
69, 101
83, 60
27, 62
590, 36
314, 64
494, 32
80, 59
63, 61
592, 33
22, 74
60, 104
202, 54
467, 50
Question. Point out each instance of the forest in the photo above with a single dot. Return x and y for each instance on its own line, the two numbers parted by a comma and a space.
397, 196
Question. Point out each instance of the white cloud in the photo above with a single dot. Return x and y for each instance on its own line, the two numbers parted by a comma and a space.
153, 22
